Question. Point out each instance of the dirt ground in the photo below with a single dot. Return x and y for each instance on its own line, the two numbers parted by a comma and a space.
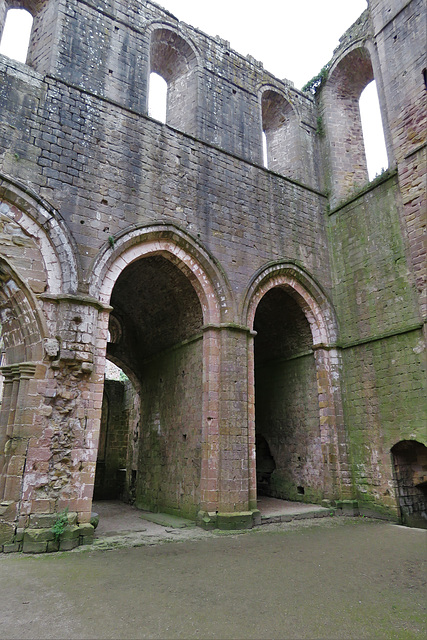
334, 578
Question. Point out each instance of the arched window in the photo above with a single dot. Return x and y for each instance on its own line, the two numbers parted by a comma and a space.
158, 93
15, 38
174, 60
343, 125
373, 132
280, 139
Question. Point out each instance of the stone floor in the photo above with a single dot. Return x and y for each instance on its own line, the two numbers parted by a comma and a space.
119, 518
311, 579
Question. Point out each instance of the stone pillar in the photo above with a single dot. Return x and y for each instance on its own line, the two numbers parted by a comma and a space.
209, 497
337, 481
15, 440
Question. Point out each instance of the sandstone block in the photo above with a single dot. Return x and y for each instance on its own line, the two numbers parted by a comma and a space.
7, 532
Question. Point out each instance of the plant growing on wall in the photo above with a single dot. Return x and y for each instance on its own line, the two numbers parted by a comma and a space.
314, 85
60, 524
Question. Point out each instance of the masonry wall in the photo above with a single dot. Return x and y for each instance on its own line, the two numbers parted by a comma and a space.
91, 185
288, 418
381, 333
169, 467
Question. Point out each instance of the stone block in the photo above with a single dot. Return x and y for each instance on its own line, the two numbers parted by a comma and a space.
72, 518
7, 532
29, 546
235, 521
38, 535
68, 544
86, 529
19, 535
70, 532
8, 510
52, 545
11, 548
42, 520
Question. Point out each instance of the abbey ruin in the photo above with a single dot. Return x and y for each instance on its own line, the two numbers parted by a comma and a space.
269, 320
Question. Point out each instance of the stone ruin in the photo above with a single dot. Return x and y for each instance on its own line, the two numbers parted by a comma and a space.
277, 302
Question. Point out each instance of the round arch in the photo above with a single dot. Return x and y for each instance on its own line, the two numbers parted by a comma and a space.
42, 222
316, 306
175, 245
188, 53
325, 403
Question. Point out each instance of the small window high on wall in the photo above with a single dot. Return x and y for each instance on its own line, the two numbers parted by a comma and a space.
280, 134
174, 60
373, 133
15, 38
157, 101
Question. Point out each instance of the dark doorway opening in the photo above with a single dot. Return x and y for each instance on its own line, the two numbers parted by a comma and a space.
410, 470
287, 427
119, 420
154, 425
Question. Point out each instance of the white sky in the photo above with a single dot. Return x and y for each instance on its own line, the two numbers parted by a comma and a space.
293, 39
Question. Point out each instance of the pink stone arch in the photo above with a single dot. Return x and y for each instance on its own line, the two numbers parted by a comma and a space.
138, 244
320, 316
304, 290
216, 301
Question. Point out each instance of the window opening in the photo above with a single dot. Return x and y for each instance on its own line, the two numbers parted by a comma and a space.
280, 134
264, 150
15, 39
373, 133
157, 97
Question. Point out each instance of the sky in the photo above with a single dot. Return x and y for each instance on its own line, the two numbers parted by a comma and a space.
293, 39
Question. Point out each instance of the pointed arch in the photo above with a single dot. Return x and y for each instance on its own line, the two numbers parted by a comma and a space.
211, 302
23, 325
177, 246
304, 289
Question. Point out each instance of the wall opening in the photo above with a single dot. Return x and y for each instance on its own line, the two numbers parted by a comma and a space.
264, 150
287, 426
155, 336
341, 117
410, 471
280, 137
15, 38
119, 420
174, 60
373, 132
157, 100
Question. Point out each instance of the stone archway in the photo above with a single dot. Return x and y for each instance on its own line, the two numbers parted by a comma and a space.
166, 311
23, 331
293, 373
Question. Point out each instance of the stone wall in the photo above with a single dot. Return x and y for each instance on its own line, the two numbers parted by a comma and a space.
157, 245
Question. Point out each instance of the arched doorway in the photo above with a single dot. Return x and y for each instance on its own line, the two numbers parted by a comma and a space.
295, 412
288, 444
410, 471
156, 336
116, 464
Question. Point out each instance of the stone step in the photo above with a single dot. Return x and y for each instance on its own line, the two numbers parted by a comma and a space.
320, 512
167, 520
